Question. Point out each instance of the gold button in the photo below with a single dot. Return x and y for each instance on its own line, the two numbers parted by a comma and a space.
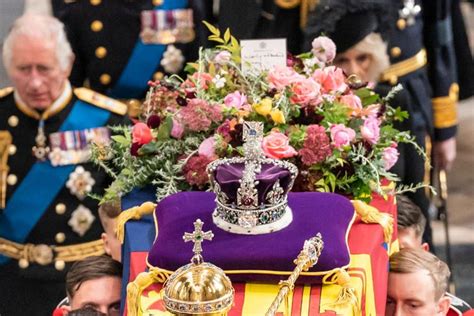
96, 26
12, 150
105, 79
60, 238
59, 265
60, 208
100, 52
95, 2
158, 75
13, 120
395, 51
454, 88
157, 2
23, 263
401, 24
12, 179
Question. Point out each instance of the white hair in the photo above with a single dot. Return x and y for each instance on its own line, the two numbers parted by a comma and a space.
44, 27
374, 45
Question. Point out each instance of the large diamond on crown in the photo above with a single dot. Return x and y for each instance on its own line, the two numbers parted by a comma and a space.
251, 191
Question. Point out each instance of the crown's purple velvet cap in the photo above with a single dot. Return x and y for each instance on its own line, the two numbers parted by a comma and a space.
313, 212
229, 175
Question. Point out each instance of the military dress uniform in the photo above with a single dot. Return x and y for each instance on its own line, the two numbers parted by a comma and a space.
422, 58
47, 219
122, 44
254, 19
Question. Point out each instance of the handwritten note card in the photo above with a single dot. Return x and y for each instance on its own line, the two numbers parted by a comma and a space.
262, 54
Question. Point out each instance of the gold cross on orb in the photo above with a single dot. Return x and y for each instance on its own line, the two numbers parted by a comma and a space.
198, 236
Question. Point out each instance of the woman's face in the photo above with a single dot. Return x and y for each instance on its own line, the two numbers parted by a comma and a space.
355, 62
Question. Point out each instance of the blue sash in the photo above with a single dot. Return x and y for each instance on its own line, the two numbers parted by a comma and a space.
43, 182
143, 62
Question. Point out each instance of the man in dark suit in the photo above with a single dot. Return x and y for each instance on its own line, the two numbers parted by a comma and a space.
47, 219
122, 44
248, 19
422, 58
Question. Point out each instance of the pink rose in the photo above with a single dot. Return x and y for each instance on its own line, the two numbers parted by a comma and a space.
203, 78
353, 102
177, 130
323, 49
341, 135
371, 130
390, 156
208, 148
305, 92
141, 133
281, 77
276, 145
332, 79
237, 100
223, 57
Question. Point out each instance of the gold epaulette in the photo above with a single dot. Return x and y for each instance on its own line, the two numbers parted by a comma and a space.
5, 91
101, 101
402, 68
445, 108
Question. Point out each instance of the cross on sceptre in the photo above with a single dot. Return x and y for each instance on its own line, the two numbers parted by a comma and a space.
198, 236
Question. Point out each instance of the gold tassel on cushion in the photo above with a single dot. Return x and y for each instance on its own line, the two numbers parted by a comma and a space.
347, 296
134, 291
141, 282
135, 212
369, 214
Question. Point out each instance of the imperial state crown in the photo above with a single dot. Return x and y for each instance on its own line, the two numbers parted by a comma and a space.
252, 191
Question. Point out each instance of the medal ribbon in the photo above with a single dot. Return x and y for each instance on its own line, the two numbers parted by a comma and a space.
143, 62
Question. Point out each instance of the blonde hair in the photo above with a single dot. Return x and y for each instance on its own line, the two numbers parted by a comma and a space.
415, 260
47, 28
109, 210
374, 46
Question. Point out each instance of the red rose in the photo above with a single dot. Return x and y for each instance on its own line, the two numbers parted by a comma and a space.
141, 133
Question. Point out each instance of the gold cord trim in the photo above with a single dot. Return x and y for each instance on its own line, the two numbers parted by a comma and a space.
369, 214
141, 282
136, 213
46, 254
404, 67
47, 113
445, 108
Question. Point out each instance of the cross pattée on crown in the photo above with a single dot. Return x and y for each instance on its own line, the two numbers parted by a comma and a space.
252, 135
198, 236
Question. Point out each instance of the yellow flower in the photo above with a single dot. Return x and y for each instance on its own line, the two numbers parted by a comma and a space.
277, 116
264, 107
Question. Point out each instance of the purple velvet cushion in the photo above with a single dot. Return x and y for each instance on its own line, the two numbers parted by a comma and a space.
269, 257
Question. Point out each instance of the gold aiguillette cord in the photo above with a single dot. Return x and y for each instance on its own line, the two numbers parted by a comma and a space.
5, 142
